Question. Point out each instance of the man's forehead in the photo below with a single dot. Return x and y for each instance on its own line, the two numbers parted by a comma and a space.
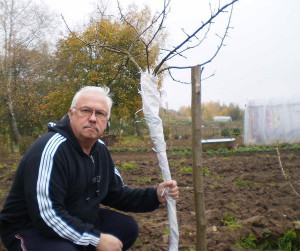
91, 98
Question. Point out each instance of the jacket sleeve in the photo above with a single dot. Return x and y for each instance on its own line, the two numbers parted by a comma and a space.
129, 199
46, 187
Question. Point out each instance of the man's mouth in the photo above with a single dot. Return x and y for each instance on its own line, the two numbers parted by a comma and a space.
91, 127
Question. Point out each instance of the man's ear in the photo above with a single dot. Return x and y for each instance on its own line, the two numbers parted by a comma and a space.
70, 112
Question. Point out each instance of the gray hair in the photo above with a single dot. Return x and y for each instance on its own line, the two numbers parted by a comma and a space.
101, 90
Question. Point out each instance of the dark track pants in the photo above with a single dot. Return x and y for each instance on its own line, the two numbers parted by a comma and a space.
122, 226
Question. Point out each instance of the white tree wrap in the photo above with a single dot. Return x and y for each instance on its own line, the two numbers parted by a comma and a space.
151, 103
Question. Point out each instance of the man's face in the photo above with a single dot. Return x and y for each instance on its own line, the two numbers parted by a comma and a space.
88, 128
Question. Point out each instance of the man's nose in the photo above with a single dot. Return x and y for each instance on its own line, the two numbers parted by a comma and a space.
93, 116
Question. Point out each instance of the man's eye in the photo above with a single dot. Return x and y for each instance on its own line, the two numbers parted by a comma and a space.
100, 113
86, 110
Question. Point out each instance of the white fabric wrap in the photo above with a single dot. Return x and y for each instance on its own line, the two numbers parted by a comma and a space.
151, 104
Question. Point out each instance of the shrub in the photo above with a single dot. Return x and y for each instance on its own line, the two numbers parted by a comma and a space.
225, 132
236, 131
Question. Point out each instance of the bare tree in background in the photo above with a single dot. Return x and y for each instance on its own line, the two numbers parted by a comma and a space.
23, 25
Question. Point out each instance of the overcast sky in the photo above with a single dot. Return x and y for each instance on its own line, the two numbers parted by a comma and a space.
261, 58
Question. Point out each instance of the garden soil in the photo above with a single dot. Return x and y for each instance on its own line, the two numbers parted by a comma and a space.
244, 194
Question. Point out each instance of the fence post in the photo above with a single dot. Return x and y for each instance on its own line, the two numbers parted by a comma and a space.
197, 159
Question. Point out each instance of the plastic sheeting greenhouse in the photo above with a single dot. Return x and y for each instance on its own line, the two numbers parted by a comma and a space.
273, 120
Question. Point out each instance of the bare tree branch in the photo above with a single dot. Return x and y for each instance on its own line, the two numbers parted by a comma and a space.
176, 80
222, 40
162, 15
214, 55
191, 47
220, 10
183, 82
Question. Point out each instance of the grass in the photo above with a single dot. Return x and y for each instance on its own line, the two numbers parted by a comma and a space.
186, 169
128, 166
143, 179
136, 144
134, 140
244, 183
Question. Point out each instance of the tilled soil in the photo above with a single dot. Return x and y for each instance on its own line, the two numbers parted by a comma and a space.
248, 188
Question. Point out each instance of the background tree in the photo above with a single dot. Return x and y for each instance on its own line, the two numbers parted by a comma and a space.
23, 24
84, 58
234, 111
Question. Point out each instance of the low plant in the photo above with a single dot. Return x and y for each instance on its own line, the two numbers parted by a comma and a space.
166, 232
142, 149
182, 151
186, 169
137, 241
225, 132
291, 156
231, 222
206, 171
173, 164
288, 242
248, 242
218, 177
236, 131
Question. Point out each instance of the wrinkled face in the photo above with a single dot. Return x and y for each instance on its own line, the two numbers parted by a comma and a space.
88, 128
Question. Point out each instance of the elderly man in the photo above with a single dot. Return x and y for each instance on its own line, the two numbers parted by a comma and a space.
54, 202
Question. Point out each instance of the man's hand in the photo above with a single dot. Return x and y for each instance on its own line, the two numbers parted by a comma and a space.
109, 243
167, 188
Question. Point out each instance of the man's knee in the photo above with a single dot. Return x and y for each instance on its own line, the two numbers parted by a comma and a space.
132, 227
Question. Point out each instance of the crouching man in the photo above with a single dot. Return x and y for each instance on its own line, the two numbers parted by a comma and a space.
54, 201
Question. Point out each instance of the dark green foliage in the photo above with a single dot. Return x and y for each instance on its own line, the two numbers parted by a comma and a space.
225, 132
236, 131
288, 242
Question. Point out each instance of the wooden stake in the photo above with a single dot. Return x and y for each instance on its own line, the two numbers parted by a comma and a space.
197, 160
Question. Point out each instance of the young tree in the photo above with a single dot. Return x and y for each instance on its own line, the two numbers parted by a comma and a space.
148, 34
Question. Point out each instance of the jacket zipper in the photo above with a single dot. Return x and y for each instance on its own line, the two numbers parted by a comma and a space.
98, 183
88, 179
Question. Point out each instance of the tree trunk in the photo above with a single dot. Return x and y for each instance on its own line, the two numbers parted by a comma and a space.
137, 126
197, 160
9, 102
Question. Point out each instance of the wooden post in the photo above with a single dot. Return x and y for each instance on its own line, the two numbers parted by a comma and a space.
197, 160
